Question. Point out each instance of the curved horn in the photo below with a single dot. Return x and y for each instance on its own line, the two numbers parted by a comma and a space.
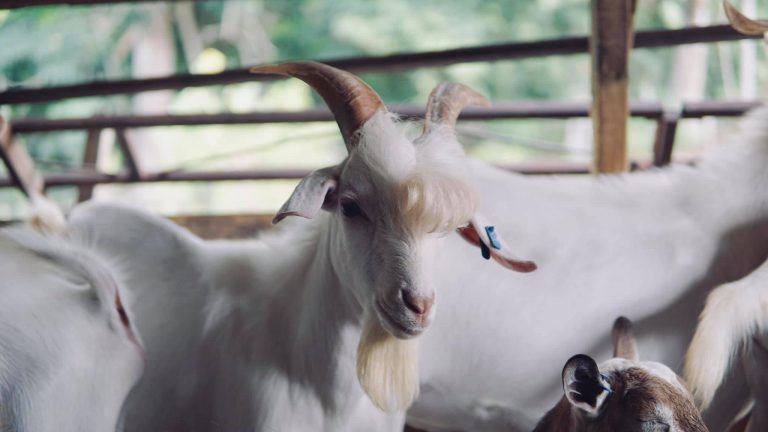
742, 24
351, 101
446, 102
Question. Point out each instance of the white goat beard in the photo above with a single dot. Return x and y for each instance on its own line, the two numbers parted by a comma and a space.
387, 367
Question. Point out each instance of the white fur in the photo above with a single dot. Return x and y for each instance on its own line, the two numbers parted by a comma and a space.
67, 362
733, 313
387, 367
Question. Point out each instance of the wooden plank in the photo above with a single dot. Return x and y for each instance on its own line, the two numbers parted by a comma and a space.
129, 155
90, 156
379, 64
612, 36
225, 226
21, 169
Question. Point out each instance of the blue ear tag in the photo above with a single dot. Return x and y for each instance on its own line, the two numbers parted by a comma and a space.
608, 389
485, 251
491, 231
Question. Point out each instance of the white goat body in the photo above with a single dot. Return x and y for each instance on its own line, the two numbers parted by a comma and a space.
68, 355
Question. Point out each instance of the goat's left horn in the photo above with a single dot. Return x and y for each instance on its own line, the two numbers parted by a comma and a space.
351, 100
447, 101
742, 24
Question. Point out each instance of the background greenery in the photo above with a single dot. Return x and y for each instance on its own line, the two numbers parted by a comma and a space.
47, 46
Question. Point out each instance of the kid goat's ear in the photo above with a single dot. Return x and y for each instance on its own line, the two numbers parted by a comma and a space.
314, 192
583, 385
624, 342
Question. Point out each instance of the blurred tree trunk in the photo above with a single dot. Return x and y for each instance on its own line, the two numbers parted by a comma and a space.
748, 52
241, 25
690, 67
191, 42
154, 55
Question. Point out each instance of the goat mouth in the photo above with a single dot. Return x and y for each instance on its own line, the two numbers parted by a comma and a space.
394, 325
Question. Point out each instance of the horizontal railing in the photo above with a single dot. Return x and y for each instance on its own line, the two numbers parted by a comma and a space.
517, 110
666, 124
379, 64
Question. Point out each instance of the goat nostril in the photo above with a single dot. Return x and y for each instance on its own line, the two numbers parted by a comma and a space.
416, 303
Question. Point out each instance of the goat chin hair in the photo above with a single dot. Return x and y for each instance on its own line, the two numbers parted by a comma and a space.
733, 313
387, 367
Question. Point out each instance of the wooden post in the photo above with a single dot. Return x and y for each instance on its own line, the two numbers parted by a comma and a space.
611, 40
666, 127
134, 170
90, 156
21, 169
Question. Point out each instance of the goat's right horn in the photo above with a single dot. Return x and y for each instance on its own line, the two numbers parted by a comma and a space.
446, 102
742, 24
351, 100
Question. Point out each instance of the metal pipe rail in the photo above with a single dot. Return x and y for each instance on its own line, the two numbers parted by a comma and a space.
666, 127
516, 110
95, 178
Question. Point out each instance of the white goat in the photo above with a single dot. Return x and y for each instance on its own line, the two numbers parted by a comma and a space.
736, 314
622, 394
68, 353
647, 245
264, 335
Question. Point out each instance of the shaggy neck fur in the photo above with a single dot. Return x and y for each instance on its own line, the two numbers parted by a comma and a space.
311, 306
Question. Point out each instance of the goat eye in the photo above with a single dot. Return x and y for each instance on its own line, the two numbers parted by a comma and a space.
350, 209
654, 426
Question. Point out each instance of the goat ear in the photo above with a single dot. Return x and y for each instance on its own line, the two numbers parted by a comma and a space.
583, 385
624, 342
484, 236
312, 193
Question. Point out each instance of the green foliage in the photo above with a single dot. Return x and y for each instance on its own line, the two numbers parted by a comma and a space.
49, 46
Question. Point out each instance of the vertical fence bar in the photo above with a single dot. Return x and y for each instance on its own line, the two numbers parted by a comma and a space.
610, 42
21, 169
666, 128
90, 156
134, 170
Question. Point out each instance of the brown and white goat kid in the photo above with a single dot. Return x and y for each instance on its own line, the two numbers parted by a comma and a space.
622, 394
68, 353
290, 331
